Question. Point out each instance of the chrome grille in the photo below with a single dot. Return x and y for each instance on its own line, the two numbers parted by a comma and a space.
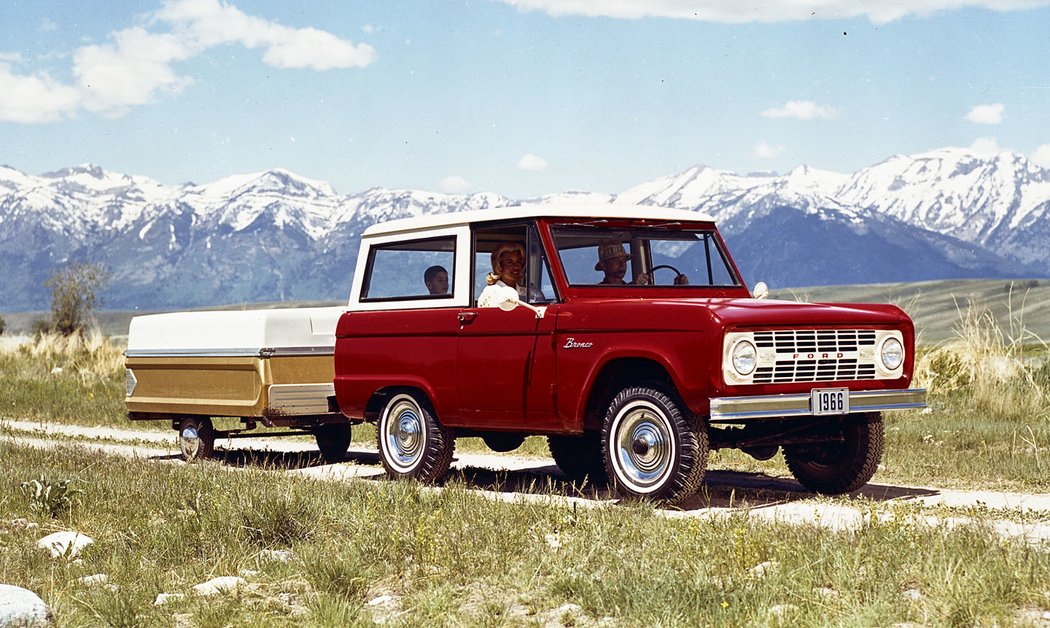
815, 355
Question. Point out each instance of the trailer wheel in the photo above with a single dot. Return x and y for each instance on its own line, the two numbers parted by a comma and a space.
412, 443
579, 456
196, 438
653, 449
841, 467
333, 439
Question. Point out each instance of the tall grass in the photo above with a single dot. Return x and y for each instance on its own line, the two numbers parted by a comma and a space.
86, 355
1001, 372
67, 379
988, 423
455, 558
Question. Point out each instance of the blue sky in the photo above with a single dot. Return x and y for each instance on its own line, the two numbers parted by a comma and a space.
520, 97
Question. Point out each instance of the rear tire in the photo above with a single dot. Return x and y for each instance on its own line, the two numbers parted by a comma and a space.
653, 448
333, 439
412, 443
841, 467
579, 456
196, 439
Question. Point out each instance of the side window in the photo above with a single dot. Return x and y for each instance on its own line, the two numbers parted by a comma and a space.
534, 283
579, 250
418, 269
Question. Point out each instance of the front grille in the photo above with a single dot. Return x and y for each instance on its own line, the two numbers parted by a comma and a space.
822, 355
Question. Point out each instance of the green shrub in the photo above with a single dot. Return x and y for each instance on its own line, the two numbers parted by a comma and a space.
49, 498
74, 293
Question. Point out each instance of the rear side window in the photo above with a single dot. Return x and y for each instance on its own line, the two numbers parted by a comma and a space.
417, 269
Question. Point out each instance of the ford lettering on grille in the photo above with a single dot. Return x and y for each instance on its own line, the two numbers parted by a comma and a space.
816, 355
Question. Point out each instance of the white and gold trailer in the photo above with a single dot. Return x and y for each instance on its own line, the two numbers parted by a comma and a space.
272, 367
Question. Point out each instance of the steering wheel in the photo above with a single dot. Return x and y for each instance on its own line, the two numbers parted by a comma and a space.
652, 271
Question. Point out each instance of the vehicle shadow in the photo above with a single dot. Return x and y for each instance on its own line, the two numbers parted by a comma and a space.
740, 489
286, 460
720, 488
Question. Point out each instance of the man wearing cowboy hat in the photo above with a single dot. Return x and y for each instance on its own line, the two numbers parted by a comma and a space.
612, 260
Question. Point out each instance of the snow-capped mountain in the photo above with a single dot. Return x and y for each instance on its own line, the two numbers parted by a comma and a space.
275, 235
1001, 202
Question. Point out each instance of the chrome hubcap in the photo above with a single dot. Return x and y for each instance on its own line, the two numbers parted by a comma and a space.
189, 442
404, 435
644, 447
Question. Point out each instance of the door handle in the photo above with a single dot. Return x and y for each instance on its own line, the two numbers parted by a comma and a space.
466, 317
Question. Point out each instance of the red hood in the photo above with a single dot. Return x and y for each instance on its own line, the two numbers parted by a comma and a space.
771, 313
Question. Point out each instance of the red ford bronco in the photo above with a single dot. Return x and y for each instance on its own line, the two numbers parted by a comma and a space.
624, 334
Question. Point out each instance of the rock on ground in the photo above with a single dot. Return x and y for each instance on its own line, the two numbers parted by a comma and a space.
64, 544
166, 598
279, 555
215, 586
22, 607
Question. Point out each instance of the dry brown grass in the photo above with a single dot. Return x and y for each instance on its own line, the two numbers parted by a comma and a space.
1004, 371
87, 356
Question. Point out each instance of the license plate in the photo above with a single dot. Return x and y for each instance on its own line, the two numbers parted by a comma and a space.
829, 401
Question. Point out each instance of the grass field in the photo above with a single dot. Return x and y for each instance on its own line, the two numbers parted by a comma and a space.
364, 551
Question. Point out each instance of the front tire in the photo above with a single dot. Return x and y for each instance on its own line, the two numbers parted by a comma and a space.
412, 443
840, 467
653, 448
196, 439
333, 439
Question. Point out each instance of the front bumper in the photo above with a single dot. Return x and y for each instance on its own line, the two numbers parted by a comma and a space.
733, 409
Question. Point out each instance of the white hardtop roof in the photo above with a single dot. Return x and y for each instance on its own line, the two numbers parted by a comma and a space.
537, 210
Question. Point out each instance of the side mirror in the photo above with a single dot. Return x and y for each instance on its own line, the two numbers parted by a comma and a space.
509, 300
761, 290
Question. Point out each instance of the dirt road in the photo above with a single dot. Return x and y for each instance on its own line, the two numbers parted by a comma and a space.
515, 478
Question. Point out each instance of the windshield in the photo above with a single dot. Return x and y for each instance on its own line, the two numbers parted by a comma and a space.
643, 257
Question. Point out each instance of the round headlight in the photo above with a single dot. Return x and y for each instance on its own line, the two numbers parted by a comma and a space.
892, 354
745, 357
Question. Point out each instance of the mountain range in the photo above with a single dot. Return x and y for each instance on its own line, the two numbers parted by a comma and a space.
274, 235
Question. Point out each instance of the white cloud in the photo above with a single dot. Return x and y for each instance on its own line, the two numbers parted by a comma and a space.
454, 185
209, 23
33, 99
801, 110
138, 64
532, 163
766, 151
1041, 156
986, 114
764, 10
986, 146
130, 71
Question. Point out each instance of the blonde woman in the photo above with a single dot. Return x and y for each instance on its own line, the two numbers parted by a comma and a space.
508, 261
